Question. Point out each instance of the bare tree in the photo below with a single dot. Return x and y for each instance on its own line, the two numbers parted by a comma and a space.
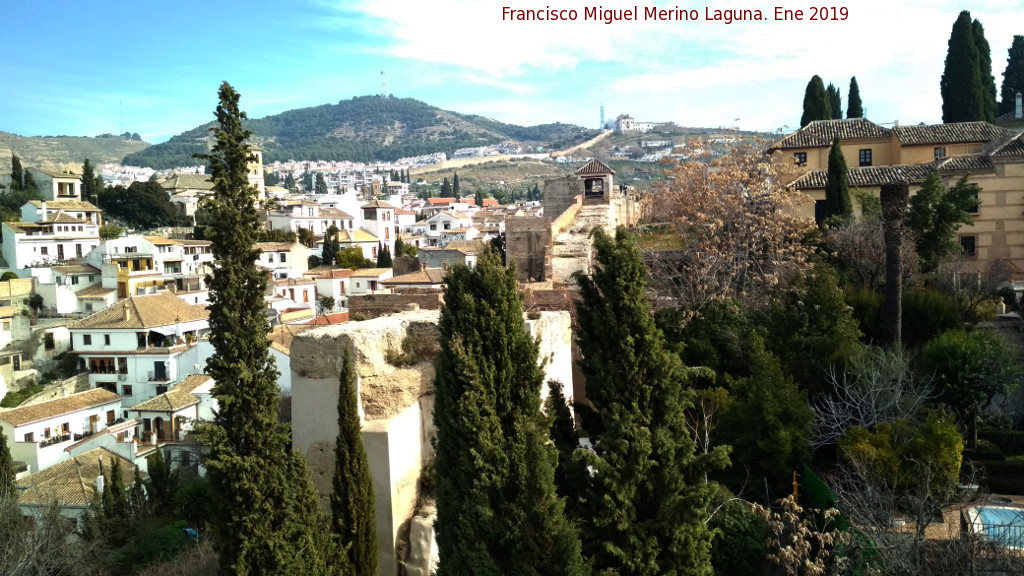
741, 226
876, 386
859, 247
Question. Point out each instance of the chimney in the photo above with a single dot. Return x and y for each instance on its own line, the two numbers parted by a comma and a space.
1020, 108
42, 208
100, 479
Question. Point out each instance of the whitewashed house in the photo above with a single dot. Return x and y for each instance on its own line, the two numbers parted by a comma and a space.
132, 348
51, 233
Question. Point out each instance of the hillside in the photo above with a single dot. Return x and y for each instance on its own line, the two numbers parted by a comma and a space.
54, 152
365, 128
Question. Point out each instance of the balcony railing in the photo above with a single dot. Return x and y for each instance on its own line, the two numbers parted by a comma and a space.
54, 440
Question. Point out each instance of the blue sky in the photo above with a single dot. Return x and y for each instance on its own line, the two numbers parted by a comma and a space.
79, 67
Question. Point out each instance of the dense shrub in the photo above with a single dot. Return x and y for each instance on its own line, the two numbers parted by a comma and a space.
1009, 441
926, 314
739, 546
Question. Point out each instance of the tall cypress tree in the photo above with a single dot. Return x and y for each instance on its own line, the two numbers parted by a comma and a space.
92, 184
1013, 76
352, 498
837, 187
497, 510
988, 83
646, 503
446, 189
384, 257
264, 496
455, 187
961, 86
816, 104
17, 174
854, 108
8, 484
835, 101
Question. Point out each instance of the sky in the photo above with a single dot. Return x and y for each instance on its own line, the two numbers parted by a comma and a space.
90, 67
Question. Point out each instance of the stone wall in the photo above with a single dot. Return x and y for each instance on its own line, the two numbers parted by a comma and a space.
396, 404
528, 243
560, 193
375, 305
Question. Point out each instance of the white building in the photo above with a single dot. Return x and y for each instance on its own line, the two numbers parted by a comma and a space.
132, 348
50, 233
53, 185
38, 434
283, 259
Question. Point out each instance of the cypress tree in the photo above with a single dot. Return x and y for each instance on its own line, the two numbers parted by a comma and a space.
1013, 76
646, 505
455, 187
837, 188
835, 102
17, 174
352, 498
266, 518
988, 83
854, 108
92, 184
321, 184
478, 198
961, 86
384, 258
570, 474
497, 510
816, 104
8, 484
446, 189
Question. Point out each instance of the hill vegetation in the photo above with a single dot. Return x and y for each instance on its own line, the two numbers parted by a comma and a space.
55, 152
366, 128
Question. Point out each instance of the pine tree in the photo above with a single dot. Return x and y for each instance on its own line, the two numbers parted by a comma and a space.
646, 507
835, 101
961, 86
455, 187
92, 184
446, 189
988, 83
497, 510
837, 188
816, 104
854, 108
352, 498
1013, 76
8, 484
262, 522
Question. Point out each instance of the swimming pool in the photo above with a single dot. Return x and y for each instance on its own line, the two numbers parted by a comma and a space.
1001, 524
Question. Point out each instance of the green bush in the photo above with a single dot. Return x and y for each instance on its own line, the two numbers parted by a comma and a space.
926, 314
869, 311
14, 399
739, 546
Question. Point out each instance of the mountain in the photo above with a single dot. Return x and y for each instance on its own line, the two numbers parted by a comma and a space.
365, 129
56, 152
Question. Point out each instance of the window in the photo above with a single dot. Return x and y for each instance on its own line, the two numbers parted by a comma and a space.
433, 226
65, 428
111, 416
74, 280
284, 257
48, 342
968, 243
973, 209
44, 250
161, 390
865, 157
87, 339
800, 158
106, 339
88, 307
46, 432
30, 437
126, 390
940, 152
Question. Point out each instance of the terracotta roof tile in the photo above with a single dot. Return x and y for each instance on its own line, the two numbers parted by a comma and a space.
820, 133
370, 272
867, 176
972, 163
73, 481
958, 132
72, 205
593, 167
377, 204
53, 408
430, 276
161, 309
274, 246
